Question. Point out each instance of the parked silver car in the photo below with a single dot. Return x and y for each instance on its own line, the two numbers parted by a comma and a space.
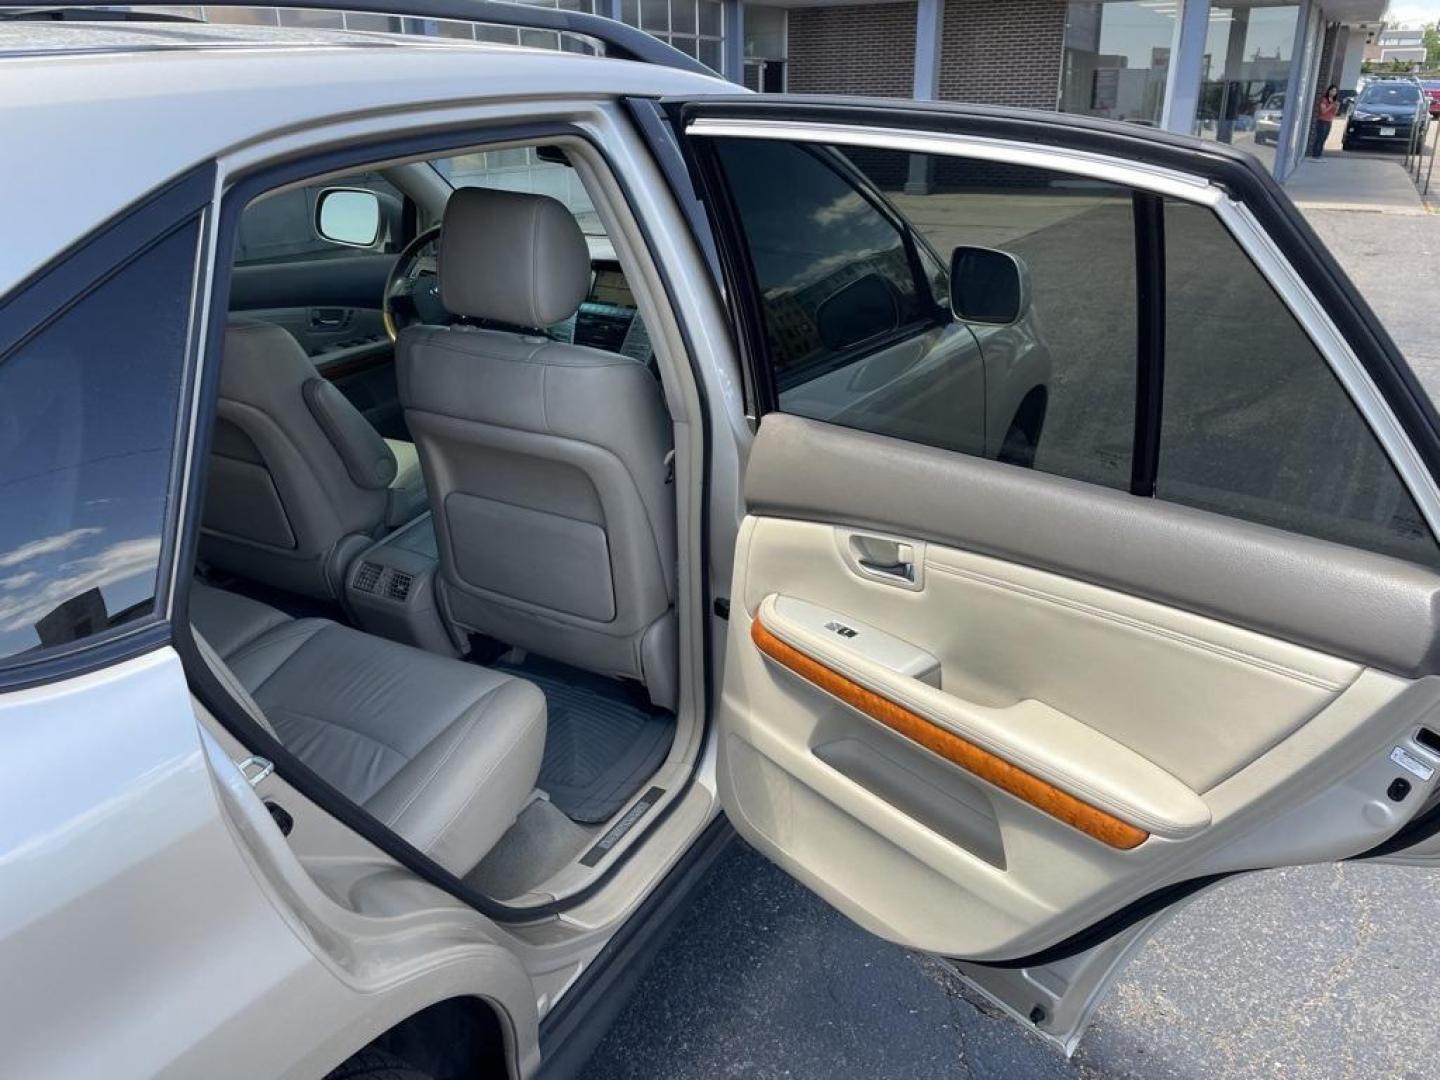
451, 488
1268, 119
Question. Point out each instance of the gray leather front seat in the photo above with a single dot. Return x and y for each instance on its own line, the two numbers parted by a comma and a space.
444, 752
545, 462
300, 483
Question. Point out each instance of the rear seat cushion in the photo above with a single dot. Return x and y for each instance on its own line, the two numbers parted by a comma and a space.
444, 752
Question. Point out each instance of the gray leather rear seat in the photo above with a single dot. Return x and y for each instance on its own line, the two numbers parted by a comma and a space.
444, 752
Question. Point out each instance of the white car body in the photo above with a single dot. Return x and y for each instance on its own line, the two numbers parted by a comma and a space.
154, 922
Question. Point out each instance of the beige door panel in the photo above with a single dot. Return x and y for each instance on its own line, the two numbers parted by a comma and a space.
1195, 696
952, 755
1074, 767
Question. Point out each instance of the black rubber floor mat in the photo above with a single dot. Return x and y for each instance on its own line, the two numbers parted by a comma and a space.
601, 744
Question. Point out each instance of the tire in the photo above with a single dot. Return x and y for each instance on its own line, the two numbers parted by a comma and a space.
372, 1063
1023, 437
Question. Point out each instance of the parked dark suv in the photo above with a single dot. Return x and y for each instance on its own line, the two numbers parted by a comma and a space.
1386, 113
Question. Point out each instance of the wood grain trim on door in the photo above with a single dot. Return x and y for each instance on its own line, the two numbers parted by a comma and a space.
1039, 793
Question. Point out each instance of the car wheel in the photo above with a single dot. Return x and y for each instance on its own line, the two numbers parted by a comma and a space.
1023, 436
372, 1063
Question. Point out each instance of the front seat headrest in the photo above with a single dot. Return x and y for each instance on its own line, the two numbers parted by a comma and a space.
511, 257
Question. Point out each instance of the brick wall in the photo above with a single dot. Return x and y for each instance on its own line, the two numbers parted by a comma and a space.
1002, 53
852, 50
997, 53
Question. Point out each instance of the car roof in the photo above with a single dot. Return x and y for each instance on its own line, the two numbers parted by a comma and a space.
142, 103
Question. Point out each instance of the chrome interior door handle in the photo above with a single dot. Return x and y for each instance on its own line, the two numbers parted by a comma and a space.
899, 569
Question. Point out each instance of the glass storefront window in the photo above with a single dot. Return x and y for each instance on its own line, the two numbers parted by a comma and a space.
765, 29
692, 26
1243, 75
765, 47
1117, 57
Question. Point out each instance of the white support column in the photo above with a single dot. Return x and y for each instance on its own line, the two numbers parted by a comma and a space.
1296, 124
1354, 55
1187, 57
732, 51
929, 30
929, 27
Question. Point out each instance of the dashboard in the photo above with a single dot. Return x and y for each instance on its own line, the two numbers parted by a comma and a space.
608, 318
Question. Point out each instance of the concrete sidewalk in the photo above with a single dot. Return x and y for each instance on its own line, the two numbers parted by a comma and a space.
1338, 182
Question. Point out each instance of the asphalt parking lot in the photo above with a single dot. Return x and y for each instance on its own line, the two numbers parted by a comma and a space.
1316, 972
1319, 972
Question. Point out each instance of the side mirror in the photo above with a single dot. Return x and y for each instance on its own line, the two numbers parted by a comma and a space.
349, 216
856, 312
988, 286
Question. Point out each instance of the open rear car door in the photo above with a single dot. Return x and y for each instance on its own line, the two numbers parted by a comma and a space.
1012, 706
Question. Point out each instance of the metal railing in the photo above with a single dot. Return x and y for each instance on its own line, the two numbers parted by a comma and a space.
619, 39
1419, 158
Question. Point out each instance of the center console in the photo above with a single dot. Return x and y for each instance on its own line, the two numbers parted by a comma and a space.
390, 589
608, 319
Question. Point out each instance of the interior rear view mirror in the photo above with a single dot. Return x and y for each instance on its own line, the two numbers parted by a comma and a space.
349, 216
858, 311
988, 286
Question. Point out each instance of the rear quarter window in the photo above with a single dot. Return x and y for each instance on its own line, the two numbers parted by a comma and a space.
88, 411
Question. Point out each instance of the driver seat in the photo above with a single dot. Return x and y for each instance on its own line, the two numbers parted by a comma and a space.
545, 462
299, 482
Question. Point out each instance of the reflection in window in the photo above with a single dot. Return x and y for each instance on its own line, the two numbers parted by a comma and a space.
1255, 424
816, 244
851, 249
1247, 64
88, 409
1117, 57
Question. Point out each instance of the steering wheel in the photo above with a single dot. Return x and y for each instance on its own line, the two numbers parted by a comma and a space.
412, 288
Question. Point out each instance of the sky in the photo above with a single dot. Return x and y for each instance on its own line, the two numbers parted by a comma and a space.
1413, 13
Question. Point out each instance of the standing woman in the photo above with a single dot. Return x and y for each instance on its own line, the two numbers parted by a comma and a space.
1324, 117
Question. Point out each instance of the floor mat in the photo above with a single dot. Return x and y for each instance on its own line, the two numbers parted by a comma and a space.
601, 743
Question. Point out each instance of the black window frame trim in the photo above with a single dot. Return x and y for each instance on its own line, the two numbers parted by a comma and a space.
46, 295
1149, 219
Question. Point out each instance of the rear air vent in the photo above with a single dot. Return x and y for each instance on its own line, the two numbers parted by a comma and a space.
367, 578
398, 587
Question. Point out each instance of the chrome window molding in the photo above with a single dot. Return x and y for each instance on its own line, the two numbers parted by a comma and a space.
1151, 178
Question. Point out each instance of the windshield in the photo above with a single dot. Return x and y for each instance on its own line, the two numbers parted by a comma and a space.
522, 169
1391, 94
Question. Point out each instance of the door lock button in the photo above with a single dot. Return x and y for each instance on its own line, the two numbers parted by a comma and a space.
1398, 789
